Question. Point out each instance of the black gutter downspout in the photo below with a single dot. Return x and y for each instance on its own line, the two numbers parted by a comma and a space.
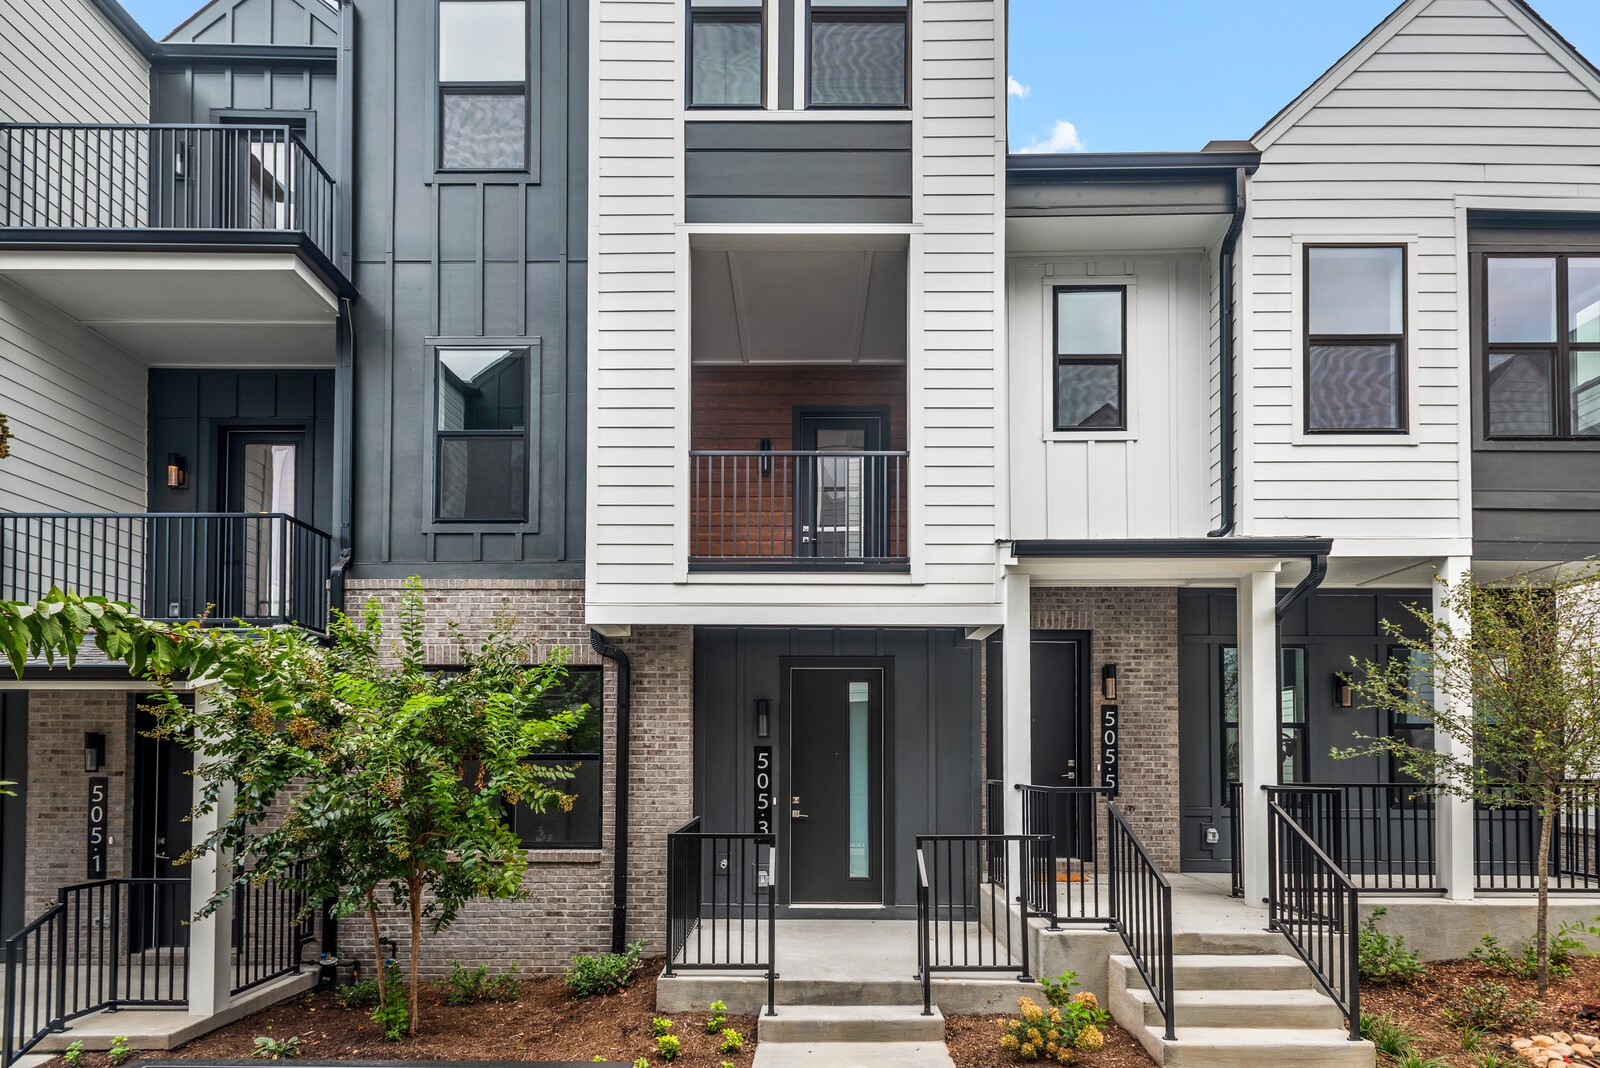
619, 834
344, 385
1313, 579
1225, 414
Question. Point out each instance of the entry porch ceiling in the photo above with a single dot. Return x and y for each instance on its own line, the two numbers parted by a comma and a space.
189, 309
832, 300
1114, 233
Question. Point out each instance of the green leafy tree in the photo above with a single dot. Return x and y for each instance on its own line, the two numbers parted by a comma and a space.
1522, 658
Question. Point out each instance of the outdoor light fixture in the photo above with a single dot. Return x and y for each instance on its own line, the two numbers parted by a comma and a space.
177, 471
1108, 682
1343, 693
94, 751
766, 456
763, 717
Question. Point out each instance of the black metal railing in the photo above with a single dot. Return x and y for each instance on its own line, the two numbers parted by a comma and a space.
1071, 817
721, 904
1382, 835
1235, 806
1141, 904
264, 568
272, 925
1507, 843
68, 176
1316, 907
108, 944
967, 885
817, 509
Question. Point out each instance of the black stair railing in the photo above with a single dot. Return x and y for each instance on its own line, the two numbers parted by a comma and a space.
1072, 818
1316, 907
272, 925
1507, 840
967, 885
1141, 904
721, 904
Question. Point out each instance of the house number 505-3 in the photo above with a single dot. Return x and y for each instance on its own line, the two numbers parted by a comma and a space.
763, 785
99, 792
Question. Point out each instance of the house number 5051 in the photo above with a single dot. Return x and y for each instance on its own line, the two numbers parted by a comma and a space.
99, 791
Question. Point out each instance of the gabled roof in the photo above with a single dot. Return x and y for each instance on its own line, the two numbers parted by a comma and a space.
1518, 11
259, 22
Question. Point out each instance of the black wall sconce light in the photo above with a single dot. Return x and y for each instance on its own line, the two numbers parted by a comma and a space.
763, 717
766, 456
1343, 692
94, 751
177, 471
1108, 682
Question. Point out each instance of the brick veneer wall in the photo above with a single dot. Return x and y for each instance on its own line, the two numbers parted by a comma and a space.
57, 791
568, 908
1136, 629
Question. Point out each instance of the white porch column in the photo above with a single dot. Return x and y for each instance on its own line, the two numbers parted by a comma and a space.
1454, 827
210, 939
1016, 688
1258, 721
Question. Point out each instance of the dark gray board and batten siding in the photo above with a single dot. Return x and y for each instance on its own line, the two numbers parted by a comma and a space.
467, 259
797, 172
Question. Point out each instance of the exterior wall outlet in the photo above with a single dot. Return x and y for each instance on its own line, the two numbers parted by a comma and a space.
1212, 835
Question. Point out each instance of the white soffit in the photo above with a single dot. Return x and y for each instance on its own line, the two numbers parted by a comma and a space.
1113, 233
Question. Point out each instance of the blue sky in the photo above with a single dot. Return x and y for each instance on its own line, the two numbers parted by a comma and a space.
1148, 75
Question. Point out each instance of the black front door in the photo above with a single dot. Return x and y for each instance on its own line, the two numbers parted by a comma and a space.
835, 785
841, 489
262, 478
163, 797
1059, 739
13, 821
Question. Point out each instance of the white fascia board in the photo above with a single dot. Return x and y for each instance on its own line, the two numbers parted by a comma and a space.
813, 615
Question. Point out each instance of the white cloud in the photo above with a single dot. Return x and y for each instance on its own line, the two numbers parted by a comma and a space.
1016, 88
1063, 138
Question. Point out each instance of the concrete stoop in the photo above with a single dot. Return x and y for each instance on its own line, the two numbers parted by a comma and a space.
868, 1036
747, 995
1244, 1007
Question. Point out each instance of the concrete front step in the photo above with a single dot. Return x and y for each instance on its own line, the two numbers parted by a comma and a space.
853, 1055
852, 1023
747, 995
1230, 1047
1309, 1009
1231, 971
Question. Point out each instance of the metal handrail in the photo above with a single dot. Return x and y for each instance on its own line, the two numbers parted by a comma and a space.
722, 926
1070, 816
1316, 907
1141, 904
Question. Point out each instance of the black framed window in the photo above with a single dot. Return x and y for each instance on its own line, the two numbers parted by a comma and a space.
481, 435
581, 752
483, 85
1091, 357
1413, 730
858, 53
727, 54
1291, 713
1541, 328
1355, 357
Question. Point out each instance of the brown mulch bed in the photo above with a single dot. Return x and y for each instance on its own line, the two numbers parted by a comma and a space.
542, 1025
1419, 1006
974, 1042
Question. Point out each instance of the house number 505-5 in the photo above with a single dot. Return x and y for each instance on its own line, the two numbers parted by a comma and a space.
99, 791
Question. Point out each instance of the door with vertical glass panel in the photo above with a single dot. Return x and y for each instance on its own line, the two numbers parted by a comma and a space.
263, 481
841, 513
835, 786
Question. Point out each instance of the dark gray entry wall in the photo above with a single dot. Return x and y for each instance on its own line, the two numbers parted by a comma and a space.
13, 811
1330, 626
933, 728
466, 259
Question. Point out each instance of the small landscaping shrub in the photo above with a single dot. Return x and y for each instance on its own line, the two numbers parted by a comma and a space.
119, 1052
1471, 1040
1565, 947
719, 1016
276, 1049
603, 973
363, 993
1491, 1059
73, 1055
1384, 958
394, 1015
1052, 1034
1413, 1059
660, 1026
732, 1041
640, 1062
1386, 1033
469, 986
1487, 1006
668, 1047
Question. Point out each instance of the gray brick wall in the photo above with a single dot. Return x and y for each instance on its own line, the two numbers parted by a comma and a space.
1136, 629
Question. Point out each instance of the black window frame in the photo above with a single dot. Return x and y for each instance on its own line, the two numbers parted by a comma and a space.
438, 436
730, 15
1395, 726
1402, 342
1559, 350
444, 89
1118, 360
1300, 727
864, 14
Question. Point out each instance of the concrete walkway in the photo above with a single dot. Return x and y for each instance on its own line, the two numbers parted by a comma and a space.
853, 1055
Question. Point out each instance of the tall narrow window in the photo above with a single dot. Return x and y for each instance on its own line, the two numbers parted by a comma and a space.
857, 53
1091, 357
482, 435
483, 85
1291, 714
1355, 370
726, 52
1542, 333
579, 753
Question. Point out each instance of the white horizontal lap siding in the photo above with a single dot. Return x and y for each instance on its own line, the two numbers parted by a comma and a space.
76, 406
64, 62
1464, 100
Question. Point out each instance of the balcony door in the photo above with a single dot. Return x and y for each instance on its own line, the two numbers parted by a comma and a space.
262, 480
840, 487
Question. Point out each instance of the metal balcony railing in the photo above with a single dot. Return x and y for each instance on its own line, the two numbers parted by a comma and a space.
827, 510
66, 176
262, 568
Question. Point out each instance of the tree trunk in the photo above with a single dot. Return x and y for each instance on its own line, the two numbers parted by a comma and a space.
377, 952
1542, 931
416, 949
